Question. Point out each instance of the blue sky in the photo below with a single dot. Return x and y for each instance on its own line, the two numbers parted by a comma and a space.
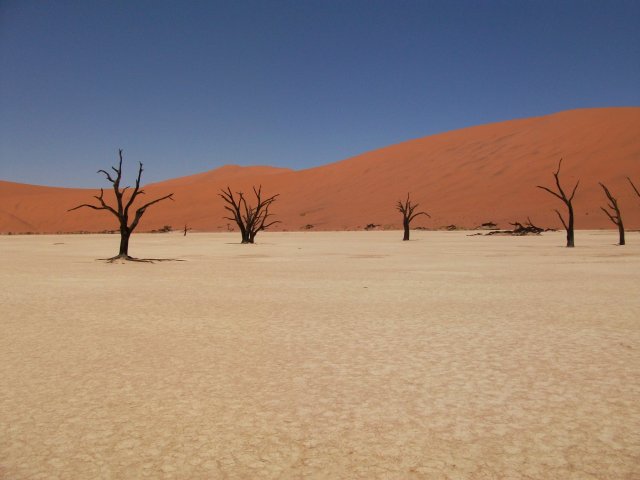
187, 86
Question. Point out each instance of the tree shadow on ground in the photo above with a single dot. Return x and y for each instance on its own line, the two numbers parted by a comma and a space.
127, 258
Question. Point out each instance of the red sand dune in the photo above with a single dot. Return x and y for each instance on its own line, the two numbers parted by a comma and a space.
464, 177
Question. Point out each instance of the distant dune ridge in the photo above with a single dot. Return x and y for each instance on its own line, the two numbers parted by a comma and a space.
465, 177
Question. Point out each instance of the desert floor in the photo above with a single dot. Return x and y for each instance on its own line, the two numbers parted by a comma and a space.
320, 355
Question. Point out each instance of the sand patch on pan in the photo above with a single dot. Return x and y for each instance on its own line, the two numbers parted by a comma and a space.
320, 355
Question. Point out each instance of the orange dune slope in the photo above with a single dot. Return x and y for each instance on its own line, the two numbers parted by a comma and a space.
464, 177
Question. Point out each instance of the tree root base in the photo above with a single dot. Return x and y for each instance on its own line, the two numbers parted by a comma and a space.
127, 258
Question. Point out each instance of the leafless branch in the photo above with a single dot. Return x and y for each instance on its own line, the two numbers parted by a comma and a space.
634, 187
561, 219
613, 213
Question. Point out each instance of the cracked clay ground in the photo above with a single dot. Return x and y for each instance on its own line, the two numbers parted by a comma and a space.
348, 355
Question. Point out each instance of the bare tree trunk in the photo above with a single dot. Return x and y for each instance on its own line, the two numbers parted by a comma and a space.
125, 235
621, 233
570, 234
406, 230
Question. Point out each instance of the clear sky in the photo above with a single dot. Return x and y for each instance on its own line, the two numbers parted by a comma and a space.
187, 86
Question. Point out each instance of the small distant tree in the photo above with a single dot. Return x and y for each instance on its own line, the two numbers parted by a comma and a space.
250, 220
567, 200
408, 214
614, 215
121, 211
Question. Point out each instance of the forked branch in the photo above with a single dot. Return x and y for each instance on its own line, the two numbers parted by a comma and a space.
613, 212
103, 205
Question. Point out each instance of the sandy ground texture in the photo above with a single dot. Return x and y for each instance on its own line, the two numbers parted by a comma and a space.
320, 355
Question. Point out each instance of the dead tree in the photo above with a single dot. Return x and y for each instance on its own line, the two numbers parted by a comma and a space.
568, 226
408, 214
526, 229
519, 230
186, 229
614, 215
250, 220
121, 211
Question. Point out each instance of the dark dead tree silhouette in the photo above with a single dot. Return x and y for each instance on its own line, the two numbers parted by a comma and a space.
527, 228
614, 215
408, 214
250, 220
567, 200
121, 211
